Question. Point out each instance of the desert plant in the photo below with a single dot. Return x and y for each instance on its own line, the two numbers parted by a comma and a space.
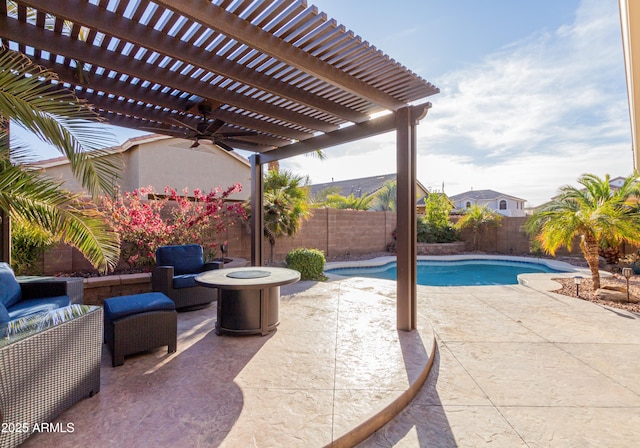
348, 202
309, 262
385, 198
32, 98
595, 214
478, 218
286, 204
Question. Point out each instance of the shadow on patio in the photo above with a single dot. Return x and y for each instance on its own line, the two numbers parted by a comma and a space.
334, 363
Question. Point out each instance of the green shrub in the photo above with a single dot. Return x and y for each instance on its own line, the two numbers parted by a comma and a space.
432, 233
28, 244
309, 262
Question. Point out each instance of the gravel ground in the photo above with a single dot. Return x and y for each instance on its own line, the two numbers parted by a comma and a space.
587, 292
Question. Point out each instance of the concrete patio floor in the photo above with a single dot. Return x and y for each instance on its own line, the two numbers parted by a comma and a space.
514, 367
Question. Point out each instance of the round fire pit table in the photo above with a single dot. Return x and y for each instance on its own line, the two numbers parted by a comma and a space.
248, 298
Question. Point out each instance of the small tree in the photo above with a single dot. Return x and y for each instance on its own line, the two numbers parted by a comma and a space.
595, 214
385, 198
435, 226
319, 199
478, 218
286, 204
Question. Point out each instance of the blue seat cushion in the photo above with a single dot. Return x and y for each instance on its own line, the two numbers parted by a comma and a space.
118, 307
10, 292
4, 315
185, 259
184, 281
32, 306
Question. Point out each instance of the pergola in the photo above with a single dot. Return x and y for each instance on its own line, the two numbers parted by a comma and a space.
275, 77
630, 26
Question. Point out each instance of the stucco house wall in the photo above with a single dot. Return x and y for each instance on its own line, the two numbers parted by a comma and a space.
162, 161
515, 207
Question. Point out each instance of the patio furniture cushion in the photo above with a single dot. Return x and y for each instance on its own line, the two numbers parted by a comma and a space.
10, 292
184, 281
4, 314
33, 306
118, 307
185, 259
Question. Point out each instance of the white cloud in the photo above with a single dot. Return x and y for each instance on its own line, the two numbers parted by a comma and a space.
527, 120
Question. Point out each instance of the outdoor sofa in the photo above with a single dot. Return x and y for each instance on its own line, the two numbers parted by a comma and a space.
34, 295
48, 362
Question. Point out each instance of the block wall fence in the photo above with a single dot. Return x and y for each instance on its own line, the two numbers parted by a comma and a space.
338, 233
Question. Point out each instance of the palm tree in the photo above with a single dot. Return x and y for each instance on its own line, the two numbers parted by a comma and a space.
595, 214
286, 204
385, 198
31, 97
478, 218
348, 202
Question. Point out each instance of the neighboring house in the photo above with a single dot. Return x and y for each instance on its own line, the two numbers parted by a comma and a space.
502, 203
161, 161
366, 186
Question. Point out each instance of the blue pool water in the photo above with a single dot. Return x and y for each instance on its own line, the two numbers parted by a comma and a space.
454, 273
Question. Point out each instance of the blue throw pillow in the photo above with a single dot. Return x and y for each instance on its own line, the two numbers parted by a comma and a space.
10, 292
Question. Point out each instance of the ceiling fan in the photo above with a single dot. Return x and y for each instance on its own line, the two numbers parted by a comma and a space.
208, 130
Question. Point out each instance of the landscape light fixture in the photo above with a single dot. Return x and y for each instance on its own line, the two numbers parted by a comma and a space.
577, 280
627, 272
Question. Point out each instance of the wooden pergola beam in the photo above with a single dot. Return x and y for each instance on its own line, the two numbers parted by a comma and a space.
174, 104
111, 24
373, 127
216, 17
74, 49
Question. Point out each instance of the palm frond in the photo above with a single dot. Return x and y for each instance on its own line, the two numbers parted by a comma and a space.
31, 97
43, 202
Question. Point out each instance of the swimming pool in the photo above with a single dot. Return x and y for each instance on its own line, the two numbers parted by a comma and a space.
452, 271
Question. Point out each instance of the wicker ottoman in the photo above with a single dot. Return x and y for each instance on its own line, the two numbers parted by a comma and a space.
139, 322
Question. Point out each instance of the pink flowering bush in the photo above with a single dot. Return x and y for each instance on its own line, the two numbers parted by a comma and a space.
145, 224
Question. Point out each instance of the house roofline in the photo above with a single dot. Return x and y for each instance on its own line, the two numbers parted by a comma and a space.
126, 146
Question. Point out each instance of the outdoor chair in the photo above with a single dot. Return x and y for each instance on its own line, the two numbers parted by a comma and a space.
174, 276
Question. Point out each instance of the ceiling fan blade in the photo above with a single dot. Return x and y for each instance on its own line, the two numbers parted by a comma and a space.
183, 125
213, 127
241, 142
159, 130
223, 145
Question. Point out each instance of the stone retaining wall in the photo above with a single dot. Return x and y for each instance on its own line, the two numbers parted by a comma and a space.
440, 248
96, 289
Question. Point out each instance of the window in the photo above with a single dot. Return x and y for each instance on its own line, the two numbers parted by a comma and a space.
468, 204
503, 205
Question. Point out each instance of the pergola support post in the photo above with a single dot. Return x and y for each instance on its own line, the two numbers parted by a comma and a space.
407, 120
406, 233
5, 222
257, 211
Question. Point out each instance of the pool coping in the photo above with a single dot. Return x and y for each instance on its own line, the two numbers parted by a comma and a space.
381, 261
542, 281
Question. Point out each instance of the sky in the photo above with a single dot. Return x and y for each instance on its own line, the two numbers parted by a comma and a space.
532, 94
